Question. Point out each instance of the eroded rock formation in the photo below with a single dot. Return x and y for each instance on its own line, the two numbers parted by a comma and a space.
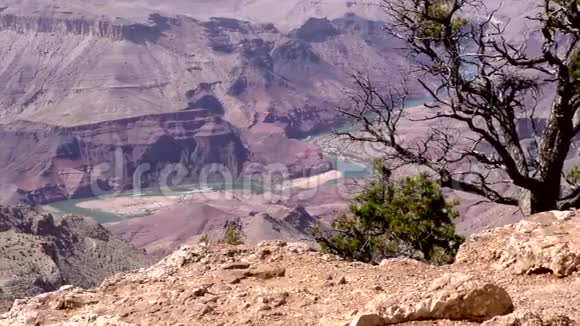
540, 244
40, 253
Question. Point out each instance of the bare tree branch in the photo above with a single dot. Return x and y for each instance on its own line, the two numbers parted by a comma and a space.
486, 85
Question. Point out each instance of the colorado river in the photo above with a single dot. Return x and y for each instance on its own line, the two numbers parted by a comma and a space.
86, 207
348, 167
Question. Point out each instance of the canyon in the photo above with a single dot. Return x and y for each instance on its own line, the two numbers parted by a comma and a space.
75, 78
141, 131
119, 98
106, 99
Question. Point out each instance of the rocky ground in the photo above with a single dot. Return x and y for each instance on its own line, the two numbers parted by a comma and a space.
523, 274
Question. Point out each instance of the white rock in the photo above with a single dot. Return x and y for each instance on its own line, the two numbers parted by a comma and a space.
454, 296
543, 243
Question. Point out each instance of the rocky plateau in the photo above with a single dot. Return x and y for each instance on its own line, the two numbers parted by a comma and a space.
521, 274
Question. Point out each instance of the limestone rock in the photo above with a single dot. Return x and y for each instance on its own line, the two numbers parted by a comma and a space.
232, 277
529, 319
172, 263
266, 272
401, 260
236, 265
543, 243
368, 320
454, 296
272, 244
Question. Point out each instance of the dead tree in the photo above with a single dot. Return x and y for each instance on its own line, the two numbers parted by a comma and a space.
489, 86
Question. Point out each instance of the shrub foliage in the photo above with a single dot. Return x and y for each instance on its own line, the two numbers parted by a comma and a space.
408, 217
233, 235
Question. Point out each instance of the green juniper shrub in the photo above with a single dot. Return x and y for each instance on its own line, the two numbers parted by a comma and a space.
408, 217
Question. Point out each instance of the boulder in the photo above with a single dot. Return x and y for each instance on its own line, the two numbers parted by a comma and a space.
453, 297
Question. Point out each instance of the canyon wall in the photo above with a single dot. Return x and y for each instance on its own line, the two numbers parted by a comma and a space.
43, 163
60, 68
114, 30
101, 85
